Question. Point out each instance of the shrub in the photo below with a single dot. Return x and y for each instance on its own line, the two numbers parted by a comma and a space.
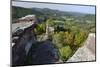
65, 53
58, 39
80, 38
69, 38
40, 29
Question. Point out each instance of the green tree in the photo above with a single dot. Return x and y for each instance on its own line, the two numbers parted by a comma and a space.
80, 38
58, 39
50, 21
69, 38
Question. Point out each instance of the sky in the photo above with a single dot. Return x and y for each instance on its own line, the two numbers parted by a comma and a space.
61, 7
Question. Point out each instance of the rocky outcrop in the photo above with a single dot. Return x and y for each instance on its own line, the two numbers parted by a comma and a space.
42, 53
22, 46
87, 52
27, 50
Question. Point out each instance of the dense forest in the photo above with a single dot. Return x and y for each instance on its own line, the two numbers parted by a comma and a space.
71, 29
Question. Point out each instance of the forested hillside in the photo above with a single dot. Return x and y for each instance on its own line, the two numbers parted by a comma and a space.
18, 12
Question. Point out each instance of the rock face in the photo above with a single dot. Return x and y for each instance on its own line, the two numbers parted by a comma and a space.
28, 18
27, 50
42, 53
85, 53
24, 22
22, 46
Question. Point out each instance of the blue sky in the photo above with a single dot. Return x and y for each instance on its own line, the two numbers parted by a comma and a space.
71, 8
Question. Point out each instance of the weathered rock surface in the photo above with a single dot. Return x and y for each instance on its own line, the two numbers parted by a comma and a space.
87, 52
43, 53
27, 50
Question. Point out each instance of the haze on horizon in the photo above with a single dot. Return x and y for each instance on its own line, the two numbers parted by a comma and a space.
61, 7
